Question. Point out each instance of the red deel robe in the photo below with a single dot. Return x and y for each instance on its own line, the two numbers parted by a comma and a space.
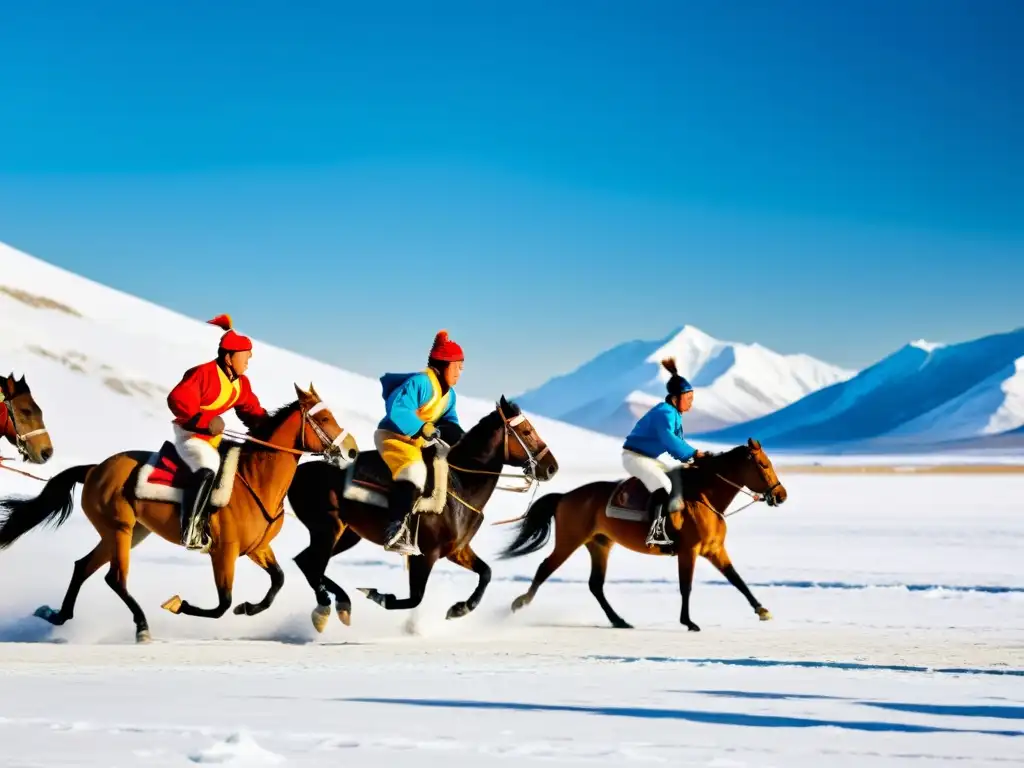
206, 390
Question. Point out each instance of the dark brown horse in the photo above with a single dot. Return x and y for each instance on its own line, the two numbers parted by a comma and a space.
336, 523
581, 518
244, 525
21, 421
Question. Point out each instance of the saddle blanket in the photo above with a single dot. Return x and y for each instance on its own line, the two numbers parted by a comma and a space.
629, 501
164, 476
368, 481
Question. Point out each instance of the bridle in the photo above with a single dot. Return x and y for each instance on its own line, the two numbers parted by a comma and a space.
529, 475
20, 439
767, 496
332, 448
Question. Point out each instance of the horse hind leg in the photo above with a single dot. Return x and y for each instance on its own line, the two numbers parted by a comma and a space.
324, 539
600, 547
84, 568
469, 560
117, 578
266, 560
564, 547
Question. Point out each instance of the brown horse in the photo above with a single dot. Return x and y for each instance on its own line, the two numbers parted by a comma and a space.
502, 438
581, 518
244, 525
21, 421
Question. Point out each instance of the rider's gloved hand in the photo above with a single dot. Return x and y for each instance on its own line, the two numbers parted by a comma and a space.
429, 431
216, 425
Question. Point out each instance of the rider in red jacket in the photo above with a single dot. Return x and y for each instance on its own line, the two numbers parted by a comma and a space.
197, 402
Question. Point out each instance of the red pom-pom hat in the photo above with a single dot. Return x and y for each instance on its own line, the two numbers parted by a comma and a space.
231, 341
446, 350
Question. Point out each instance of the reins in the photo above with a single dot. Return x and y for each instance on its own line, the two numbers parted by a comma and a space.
3, 465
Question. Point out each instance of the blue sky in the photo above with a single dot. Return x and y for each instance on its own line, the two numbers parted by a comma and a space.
543, 179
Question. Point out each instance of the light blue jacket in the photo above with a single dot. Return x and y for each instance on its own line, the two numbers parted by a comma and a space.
404, 394
659, 431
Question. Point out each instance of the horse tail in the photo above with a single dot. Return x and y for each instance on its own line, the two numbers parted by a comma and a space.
53, 505
535, 528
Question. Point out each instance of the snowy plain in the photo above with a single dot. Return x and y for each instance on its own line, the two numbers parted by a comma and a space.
897, 639
898, 603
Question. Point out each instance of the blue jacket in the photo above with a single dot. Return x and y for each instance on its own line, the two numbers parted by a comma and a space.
404, 394
660, 431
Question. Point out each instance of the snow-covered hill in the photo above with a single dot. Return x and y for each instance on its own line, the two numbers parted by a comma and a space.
923, 396
100, 363
734, 382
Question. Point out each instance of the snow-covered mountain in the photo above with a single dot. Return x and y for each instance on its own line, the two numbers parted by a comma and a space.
924, 395
100, 363
734, 383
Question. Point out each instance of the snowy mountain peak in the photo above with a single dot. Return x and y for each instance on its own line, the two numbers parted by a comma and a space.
926, 346
733, 381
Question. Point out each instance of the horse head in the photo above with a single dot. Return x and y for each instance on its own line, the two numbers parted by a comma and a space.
24, 425
321, 433
526, 449
758, 474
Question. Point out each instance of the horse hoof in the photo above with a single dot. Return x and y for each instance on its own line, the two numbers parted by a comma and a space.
520, 602
458, 610
47, 613
620, 624
321, 614
345, 616
691, 626
373, 594
245, 609
764, 614
173, 605
143, 636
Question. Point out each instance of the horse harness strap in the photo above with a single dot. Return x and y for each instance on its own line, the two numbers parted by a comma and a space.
259, 502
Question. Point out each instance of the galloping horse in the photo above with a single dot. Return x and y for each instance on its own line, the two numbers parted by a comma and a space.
326, 500
21, 421
602, 514
250, 512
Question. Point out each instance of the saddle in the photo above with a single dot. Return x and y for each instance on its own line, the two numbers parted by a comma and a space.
630, 500
368, 480
165, 475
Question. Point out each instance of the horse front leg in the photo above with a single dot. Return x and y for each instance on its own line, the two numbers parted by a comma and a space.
720, 559
420, 567
687, 562
223, 560
266, 560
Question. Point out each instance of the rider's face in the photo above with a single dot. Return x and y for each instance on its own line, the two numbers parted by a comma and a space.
452, 373
239, 362
685, 401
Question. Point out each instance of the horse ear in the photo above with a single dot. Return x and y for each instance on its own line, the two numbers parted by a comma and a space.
503, 403
7, 384
754, 445
313, 392
303, 396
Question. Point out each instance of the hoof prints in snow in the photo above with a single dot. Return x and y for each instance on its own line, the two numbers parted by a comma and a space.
842, 665
237, 749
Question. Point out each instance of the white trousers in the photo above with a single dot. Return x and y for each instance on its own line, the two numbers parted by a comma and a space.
415, 473
197, 454
650, 472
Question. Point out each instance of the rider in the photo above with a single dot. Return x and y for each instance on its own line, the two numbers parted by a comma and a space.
197, 402
659, 431
419, 407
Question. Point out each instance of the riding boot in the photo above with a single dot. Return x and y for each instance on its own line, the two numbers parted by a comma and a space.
658, 536
398, 535
193, 503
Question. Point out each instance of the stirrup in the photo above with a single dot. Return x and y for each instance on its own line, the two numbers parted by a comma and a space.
658, 536
401, 541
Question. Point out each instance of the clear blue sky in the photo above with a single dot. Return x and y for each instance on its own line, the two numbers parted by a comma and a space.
544, 180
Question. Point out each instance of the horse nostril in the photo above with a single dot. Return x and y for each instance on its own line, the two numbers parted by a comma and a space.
551, 471
46, 453
352, 453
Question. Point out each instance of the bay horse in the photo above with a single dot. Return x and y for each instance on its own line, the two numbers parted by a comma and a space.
245, 524
21, 421
581, 519
502, 438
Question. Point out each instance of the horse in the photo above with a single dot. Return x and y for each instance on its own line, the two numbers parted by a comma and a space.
248, 502
21, 421
339, 510
602, 514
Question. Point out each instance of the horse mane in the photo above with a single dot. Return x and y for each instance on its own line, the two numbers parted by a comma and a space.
266, 428
712, 464
481, 440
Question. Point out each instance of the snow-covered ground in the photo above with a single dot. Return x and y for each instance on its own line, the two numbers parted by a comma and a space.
897, 639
